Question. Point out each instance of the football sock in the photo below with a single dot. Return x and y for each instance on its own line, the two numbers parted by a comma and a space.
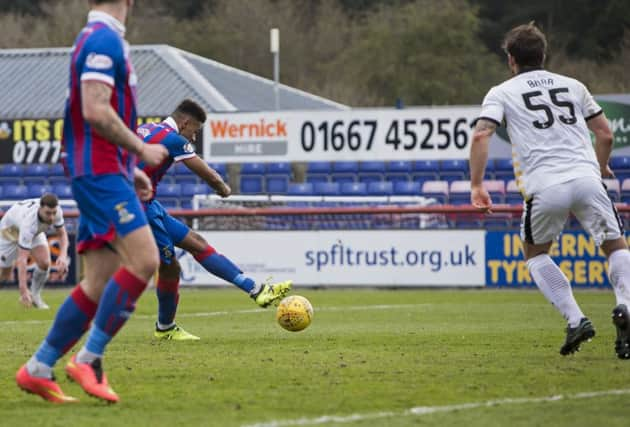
222, 267
556, 287
39, 279
168, 298
116, 306
619, 273
72, 320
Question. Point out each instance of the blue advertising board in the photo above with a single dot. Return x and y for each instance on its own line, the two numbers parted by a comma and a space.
575, 253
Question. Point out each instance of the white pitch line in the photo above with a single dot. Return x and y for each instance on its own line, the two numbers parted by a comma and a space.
249, 311
425, 410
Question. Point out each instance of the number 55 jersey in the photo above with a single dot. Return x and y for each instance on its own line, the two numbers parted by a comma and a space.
545, 115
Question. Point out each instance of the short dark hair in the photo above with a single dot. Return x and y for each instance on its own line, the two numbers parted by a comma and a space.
192, 109
527, 44
49, 199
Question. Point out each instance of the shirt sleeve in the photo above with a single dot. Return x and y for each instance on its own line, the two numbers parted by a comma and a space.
491, 108
102, 52
590, 108
179, 148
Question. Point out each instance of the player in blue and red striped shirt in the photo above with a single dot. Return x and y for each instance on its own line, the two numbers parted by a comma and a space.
101, 148
177, 133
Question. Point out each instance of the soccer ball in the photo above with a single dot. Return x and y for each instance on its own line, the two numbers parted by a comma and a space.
294, 313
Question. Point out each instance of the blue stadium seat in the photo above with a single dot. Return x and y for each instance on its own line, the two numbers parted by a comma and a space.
313, 178
63, 191
221, 169
398, 171
1, 194
279, 168
58, 179
353, 189
318, 168
185, 203
182, 180
619, 163
36, 190
15, 192
253, 168
169, 190
300, 189
326, 188
179, 168
436, 189
503, 169
428, 169
12, 170
10, 180
170, 203
57, 170
345, 171
344, 178
277, 184
383, 188
407, 188
371, 171
251, 184
36, 169
192, 190
453, 170
29, 180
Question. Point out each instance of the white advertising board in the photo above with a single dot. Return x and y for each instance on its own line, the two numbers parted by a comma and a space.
349, 258
360, 134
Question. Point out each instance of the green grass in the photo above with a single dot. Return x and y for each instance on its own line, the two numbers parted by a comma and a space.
367, 351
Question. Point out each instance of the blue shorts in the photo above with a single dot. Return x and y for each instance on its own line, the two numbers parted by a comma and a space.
108, 206
167, 230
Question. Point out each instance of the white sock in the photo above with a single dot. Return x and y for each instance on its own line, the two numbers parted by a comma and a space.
163, 327
556, 287
39, 279
38, 369
85, 356
619, 274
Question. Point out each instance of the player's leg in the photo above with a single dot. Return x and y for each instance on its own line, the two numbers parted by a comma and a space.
598, 216
41, 255
168, 299
543, 219
264, 294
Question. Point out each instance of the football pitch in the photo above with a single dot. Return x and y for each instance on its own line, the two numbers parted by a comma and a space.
370, 358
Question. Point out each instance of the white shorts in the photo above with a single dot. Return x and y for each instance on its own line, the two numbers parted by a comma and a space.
545, 213
8, 249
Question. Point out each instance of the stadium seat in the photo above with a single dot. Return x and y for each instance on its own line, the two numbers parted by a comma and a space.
63, 191
436, 189
371, 171
459, 193
313, 178
345, 171
620, 163
253, 168
277, 184
221, 169
57, 170
279, 168
36, 169
169, 190
11, 180
182, 180
37, 190
251, 184
170, 203
398, 171
426, 169
453, 170
15, 192
181, 169
406, 188
318, 172
11, 170
353, 189
382, 188
503, 169
191, 190
300, 189
185, 203
326, 188
496, 188
613, 188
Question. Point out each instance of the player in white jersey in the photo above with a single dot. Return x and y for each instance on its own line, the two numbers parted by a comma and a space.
22, 233
548, 118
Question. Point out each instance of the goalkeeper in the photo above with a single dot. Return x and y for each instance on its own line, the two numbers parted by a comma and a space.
177, 133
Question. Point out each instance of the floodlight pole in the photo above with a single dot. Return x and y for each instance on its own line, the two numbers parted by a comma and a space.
274, 37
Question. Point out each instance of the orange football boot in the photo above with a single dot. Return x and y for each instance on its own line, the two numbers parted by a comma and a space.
91, 378
46, 388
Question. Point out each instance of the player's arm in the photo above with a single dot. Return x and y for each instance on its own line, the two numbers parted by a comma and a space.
21, 264
98, 112
209, 175
484, 129
62, 262
603, 142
